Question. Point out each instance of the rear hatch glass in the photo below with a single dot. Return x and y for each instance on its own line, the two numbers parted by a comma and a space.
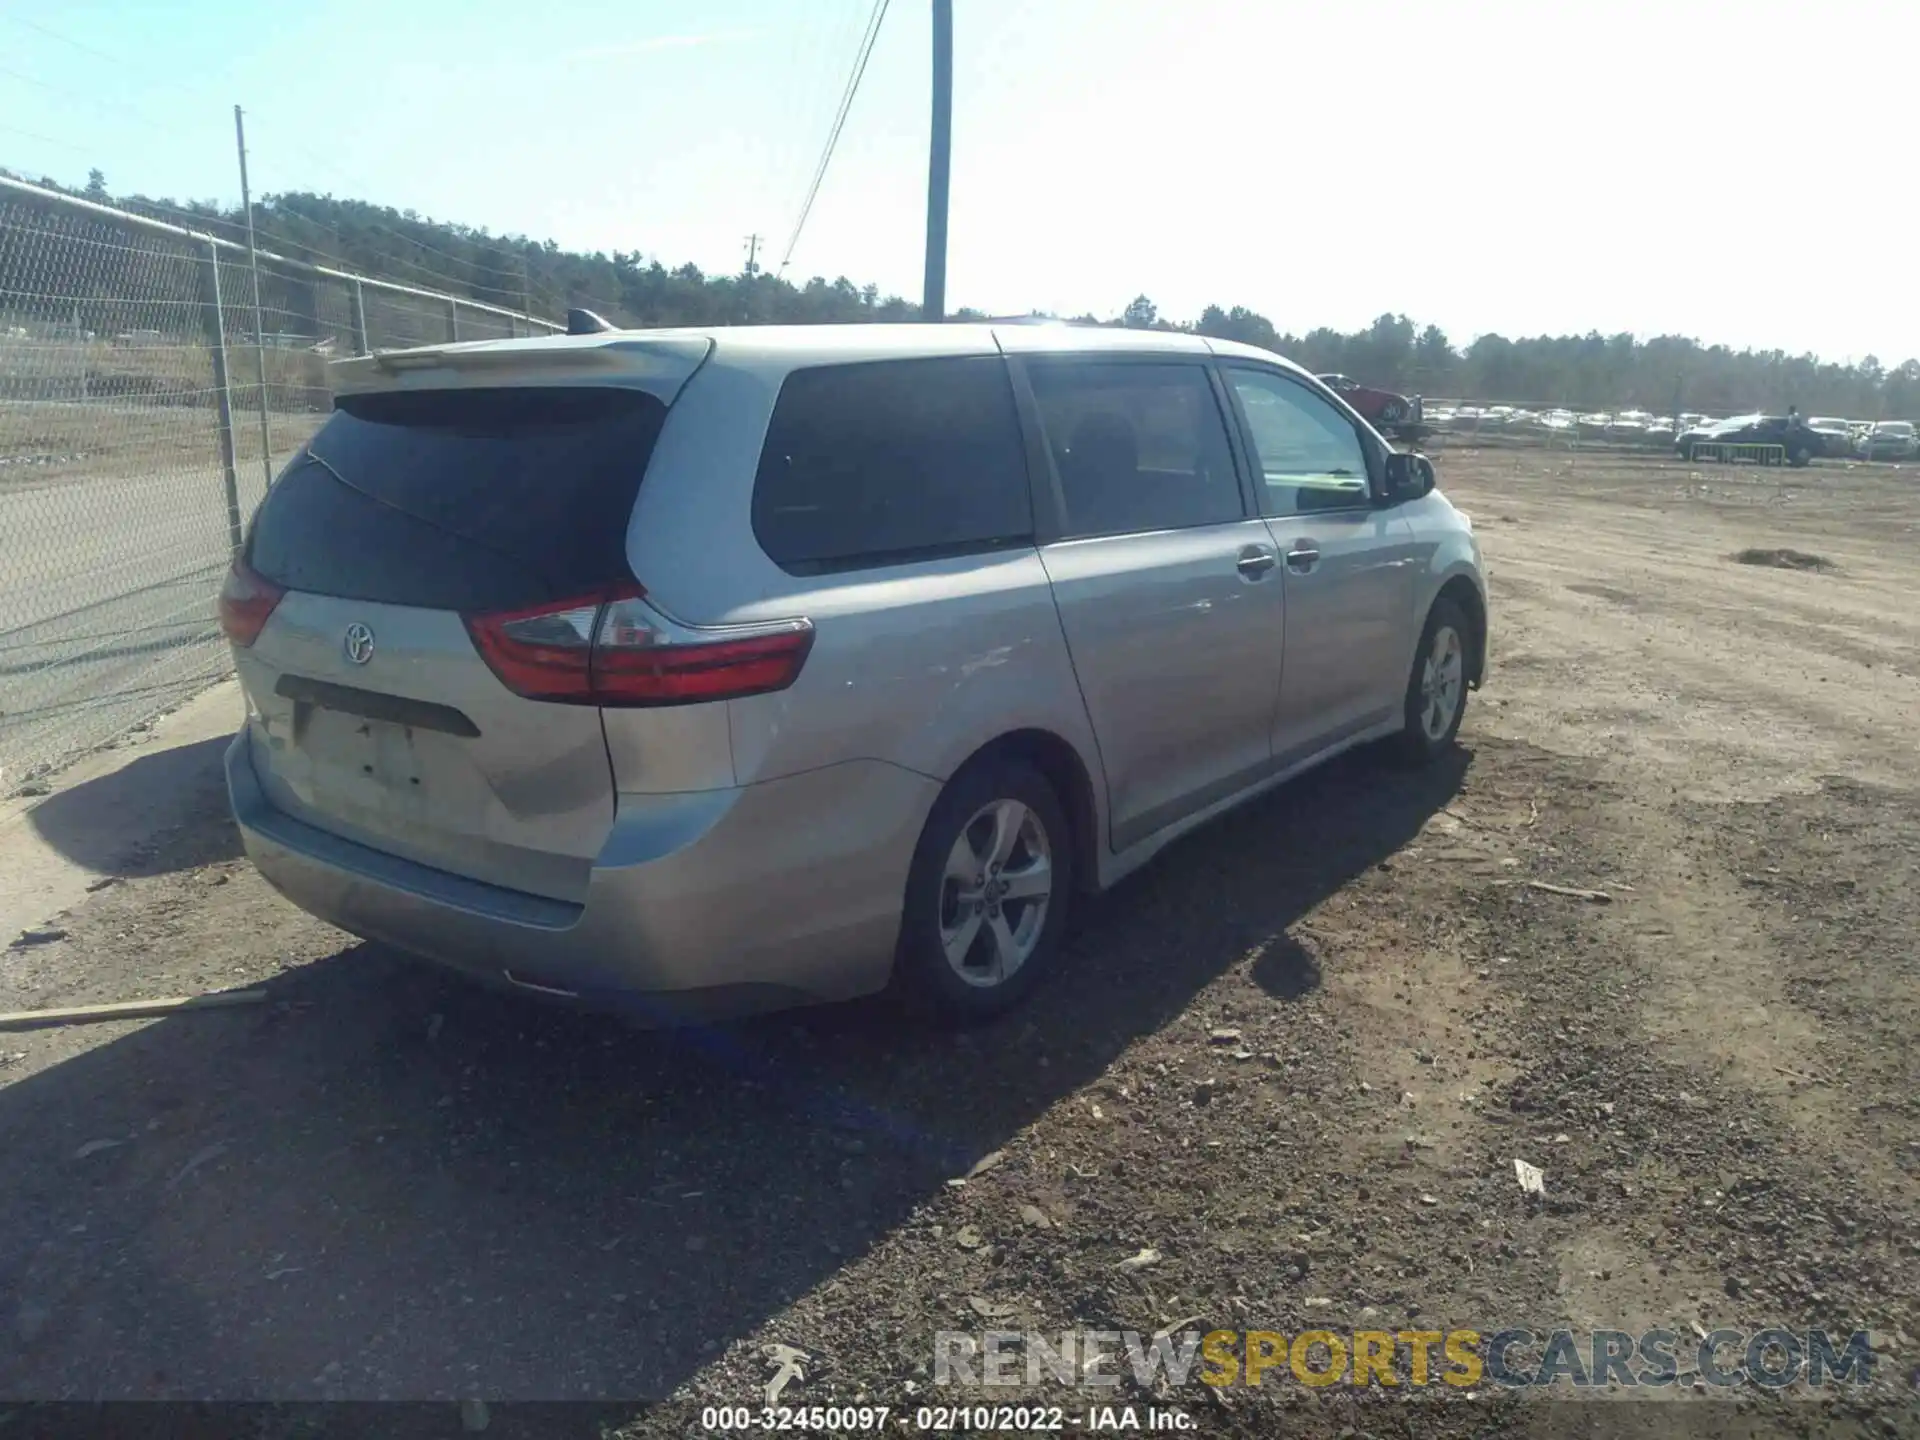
377, 719
461, 500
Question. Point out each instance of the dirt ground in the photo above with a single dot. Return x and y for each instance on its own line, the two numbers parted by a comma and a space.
1297, 1058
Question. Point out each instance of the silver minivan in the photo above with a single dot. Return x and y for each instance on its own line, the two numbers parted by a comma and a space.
704, 672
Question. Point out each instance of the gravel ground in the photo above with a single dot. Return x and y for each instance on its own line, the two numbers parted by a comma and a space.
1295, 1059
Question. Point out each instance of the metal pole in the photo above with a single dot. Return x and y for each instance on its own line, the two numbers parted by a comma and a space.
216, 332
933, 303
259, 331
360, 345
453, 320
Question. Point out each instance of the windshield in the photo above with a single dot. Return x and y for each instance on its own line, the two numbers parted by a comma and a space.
1894, 427
1738, 422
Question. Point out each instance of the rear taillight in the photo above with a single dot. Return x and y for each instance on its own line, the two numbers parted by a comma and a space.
246, 600
544, 653
616, 650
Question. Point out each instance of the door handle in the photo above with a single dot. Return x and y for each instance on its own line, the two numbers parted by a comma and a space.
1255, 561
1302, 558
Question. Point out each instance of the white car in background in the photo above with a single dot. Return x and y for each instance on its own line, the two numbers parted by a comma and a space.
1837, 433
1889, 440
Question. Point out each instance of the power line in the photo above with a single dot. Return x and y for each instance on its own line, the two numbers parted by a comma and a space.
63, 39
808, 88
44, 139
839, 120
478, 274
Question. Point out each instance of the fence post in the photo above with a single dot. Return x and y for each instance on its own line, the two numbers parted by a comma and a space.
360, 345
453, 319
214, 322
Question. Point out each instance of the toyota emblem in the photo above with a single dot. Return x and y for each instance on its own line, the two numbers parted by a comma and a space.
358, 643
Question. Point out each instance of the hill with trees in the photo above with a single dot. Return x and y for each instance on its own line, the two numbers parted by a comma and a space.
1591, 371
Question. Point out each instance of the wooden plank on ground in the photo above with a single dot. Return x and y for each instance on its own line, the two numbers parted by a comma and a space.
127, 1009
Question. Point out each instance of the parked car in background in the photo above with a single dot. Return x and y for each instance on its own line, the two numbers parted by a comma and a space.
1789, 432
1889, 440
1835, 433
700, 672
1383, 408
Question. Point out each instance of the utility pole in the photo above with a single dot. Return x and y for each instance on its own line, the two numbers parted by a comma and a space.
747, 277
253, 265
933, 302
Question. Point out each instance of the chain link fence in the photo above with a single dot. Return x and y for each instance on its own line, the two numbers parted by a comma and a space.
144, 406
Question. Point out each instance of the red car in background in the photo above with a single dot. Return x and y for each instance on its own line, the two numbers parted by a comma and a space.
1386, 410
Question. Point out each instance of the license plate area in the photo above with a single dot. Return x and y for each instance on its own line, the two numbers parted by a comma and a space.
364, 764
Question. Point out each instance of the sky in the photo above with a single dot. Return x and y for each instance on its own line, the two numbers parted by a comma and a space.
1744, 175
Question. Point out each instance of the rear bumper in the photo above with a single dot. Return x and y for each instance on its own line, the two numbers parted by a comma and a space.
701, 905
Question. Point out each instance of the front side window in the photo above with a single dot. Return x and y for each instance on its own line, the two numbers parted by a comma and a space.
1308, 453
889, 462
1138, 446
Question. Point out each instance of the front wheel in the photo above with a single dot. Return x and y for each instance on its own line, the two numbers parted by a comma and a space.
1799, 456
1437, 689
987, 894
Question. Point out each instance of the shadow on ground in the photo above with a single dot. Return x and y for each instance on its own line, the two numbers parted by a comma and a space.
93, 824
388, 1184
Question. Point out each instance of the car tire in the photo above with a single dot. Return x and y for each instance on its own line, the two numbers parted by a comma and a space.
957, 969
1685, 454
1799, 457
1433, 709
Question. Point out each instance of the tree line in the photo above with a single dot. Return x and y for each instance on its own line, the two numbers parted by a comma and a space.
1666, 373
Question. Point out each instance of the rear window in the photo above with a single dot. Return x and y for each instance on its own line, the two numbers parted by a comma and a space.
890, 462
1137, 446
461, 499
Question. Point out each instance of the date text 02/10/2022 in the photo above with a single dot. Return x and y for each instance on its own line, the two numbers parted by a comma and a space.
945, 1419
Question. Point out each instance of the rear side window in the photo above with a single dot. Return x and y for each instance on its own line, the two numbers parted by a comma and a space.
1137, 446
461, 499
884, 463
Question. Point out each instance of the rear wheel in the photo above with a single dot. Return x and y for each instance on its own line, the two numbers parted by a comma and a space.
1437, 689
987, 894
1799, 456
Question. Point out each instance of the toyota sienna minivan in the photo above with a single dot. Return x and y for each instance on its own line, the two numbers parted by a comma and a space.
703, 672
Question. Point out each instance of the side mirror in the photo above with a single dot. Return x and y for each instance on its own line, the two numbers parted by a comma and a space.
1408, 477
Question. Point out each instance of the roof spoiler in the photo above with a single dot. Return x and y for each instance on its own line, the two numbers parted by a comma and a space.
585, 322
657, 363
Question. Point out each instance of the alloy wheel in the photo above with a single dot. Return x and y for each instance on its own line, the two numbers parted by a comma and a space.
995, 892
